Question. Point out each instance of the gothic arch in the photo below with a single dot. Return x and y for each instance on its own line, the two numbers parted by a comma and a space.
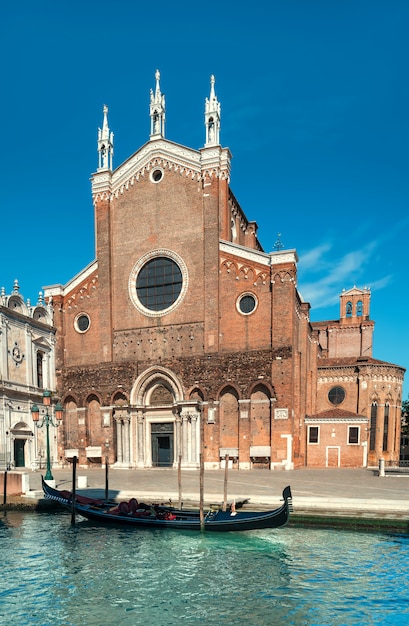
145, 383
91, 397
265, 384
119, 398
230, 267
228, 386
196, 393
283, 276
247, 272
70, 400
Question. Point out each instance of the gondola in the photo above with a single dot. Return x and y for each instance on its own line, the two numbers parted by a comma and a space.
141, 515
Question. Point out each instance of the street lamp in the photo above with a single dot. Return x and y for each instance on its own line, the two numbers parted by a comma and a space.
46, 420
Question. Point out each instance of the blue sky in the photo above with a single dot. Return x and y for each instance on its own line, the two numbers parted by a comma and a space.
315, 110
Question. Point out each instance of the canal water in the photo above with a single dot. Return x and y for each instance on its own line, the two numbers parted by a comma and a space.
55, 574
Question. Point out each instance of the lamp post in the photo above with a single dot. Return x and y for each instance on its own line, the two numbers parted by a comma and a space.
46, 420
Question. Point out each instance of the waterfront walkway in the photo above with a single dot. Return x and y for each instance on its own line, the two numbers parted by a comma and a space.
356, 493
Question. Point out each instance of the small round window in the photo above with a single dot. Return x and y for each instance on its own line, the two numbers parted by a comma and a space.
156, 175
247, 303
336, 395
82, 323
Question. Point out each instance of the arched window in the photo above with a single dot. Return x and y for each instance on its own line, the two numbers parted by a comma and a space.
40, 381
359, 308
372, 436
385, 428
349, 309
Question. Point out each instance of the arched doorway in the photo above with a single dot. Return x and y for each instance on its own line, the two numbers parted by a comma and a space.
167, 425
21, 433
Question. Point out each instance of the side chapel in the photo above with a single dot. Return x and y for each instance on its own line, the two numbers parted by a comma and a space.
184, 336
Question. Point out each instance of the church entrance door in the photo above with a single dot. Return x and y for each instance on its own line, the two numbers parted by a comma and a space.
162, 444
19, 458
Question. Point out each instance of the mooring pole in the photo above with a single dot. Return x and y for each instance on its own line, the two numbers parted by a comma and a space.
73, 496
180, 480
226, 471
106, 479
5, 487
201, 514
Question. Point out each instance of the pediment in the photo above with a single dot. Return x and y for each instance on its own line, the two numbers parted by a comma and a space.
161, 152
355, 291
41, 343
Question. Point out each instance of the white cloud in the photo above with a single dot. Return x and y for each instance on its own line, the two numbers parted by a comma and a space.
322, 275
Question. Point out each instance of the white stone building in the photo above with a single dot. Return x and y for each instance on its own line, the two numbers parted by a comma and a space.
27, 367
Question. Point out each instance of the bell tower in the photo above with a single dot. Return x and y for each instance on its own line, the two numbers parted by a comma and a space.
354, 305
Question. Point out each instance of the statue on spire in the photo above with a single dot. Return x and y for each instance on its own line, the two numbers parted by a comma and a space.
157, 110
105, 143
212, 117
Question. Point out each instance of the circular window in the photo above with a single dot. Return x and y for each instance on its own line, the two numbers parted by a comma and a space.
247, 303
158, 282
336, 395
156, 175
82, 323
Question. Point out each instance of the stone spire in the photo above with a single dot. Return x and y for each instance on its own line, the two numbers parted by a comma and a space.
157, 111
105, 144
212, 117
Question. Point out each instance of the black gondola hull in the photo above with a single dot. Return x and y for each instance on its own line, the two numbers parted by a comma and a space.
218, 521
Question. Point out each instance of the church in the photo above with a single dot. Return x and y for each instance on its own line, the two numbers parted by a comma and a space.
185, 341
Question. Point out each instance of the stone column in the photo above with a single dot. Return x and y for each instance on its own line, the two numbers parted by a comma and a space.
185, 425
127, 438
194, 423
178, 437
119, 456
140, 440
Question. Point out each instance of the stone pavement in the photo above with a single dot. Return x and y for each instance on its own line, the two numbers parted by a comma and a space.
338, 492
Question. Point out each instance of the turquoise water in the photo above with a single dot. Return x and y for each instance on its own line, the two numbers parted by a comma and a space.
56, 574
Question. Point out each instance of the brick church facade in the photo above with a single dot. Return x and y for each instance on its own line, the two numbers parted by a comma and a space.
184, 337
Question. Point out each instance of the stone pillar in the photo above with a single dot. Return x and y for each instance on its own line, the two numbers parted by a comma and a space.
140, 440
194, 423
119, 455
127, 438
178, 437
185, 425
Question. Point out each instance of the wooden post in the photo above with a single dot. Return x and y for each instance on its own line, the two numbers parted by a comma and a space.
201, 513
106, 480
226, 471
180, 480
73, 495
5, 487
201, 466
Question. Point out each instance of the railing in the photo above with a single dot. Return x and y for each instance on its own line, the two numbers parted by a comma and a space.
397, 464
